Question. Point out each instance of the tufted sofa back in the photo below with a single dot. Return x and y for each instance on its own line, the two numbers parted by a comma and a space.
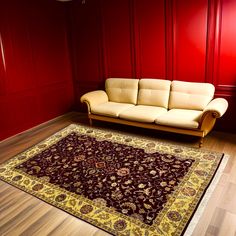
154, 92
190, 95
122, 90
159, 92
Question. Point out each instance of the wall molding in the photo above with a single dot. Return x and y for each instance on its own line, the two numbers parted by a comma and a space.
169, 40
210, 41
136, 40
225, 87
132, 8
133, 39
102, 44
188, 25
217, 43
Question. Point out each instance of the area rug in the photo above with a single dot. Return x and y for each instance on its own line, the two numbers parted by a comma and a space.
125, 185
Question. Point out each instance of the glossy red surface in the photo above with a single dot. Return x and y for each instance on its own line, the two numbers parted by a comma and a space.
172, 39
189, 35
52, 49
149, 22
117, 38
36, 82
227, 47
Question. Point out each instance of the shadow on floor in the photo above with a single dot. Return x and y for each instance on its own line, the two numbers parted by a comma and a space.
154, 134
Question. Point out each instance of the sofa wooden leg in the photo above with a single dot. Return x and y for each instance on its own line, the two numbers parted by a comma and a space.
90, 122
201, 142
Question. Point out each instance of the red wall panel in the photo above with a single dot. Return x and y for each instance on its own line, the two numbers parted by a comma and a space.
84, 20
17, 51
48, 42
21, 111
117, 36
54, 101
225, 61
171, 39
190, 31
36, 83
84, 27
150, 37
226, 77
2, 66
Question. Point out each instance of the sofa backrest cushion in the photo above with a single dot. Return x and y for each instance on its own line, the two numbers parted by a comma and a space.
190, 95
122, 90
154, 92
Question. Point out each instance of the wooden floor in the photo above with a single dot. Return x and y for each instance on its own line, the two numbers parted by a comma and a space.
23, 214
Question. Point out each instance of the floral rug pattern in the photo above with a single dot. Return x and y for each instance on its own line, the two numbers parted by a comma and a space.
122, 184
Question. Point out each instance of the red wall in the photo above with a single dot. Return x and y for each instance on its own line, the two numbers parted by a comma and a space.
35, 81
169, 39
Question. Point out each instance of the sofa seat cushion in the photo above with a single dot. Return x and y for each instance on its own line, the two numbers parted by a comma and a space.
142, 113
112, 109
181, 118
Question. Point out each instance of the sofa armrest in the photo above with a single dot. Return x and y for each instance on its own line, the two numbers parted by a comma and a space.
217, 107
93, 98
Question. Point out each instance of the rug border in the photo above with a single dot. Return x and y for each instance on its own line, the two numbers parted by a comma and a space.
223, 157
15, 185
199, 210
108, 130
40, 142
56, 206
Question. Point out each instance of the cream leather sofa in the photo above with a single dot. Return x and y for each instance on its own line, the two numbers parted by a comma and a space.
174, 106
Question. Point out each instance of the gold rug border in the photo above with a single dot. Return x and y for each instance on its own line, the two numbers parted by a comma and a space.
74, 127
120, 133
206, 197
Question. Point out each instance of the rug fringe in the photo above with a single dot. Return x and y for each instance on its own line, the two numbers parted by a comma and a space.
200, 210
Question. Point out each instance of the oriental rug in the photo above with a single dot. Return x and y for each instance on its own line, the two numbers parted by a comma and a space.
125, 185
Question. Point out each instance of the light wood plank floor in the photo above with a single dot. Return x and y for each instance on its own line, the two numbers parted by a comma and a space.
23, 214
